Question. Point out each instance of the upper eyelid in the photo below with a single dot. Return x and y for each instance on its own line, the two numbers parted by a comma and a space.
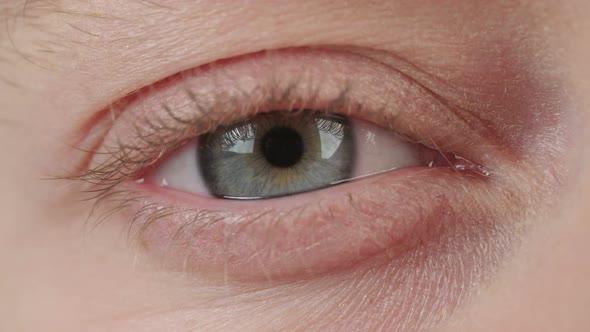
428, 82
154, 126
268, 91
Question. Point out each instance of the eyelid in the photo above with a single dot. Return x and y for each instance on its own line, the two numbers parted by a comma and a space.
161, 117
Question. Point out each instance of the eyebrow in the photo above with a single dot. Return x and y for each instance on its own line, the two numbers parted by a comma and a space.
108, 52
33, 33
17, 16
20, 13
114, 44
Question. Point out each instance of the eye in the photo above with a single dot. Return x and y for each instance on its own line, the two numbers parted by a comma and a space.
261, 127
280, 153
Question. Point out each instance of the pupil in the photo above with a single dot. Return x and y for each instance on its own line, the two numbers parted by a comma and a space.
282, 146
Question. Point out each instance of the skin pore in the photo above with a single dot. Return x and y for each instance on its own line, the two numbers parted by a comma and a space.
502, 83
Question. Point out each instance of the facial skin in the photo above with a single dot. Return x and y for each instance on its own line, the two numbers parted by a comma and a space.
502, 253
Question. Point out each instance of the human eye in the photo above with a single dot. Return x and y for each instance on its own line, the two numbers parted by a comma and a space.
287, 164
286, 152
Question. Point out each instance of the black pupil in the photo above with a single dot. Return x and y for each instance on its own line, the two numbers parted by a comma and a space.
282, 146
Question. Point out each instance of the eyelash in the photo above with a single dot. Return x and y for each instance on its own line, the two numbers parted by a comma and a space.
164, 135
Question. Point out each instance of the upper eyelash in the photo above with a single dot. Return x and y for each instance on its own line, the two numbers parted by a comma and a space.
165, 134
162, 135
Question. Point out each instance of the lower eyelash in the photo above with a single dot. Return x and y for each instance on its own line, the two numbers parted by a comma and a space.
180, 229
109, 200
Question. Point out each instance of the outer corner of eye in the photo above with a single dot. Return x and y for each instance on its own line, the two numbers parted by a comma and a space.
274, 154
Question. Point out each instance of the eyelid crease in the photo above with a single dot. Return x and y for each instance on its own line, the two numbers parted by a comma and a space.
91, 135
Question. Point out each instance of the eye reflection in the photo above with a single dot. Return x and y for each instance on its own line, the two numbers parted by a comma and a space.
276, 154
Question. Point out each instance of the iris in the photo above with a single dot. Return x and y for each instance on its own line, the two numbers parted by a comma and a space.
276, 154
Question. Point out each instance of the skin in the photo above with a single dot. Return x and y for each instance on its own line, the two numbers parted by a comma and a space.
61, 62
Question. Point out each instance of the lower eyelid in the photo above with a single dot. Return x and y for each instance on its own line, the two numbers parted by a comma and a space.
318, 231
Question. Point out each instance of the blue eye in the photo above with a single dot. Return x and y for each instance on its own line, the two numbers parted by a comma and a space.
282, 153
276, 154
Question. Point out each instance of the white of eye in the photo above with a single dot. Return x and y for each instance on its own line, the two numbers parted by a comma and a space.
380, 150
181, 171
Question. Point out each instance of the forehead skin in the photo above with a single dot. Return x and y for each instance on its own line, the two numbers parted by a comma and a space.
102, 41
62, 60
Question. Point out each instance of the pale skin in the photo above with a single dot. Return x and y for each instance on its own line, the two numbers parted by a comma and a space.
62, 62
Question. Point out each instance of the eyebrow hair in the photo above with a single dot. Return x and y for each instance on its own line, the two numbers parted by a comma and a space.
8, 13
15, 15
35, 19
31, 10
33, 33
38, 15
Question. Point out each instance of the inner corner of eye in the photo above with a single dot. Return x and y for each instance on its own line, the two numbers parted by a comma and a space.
277, 154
